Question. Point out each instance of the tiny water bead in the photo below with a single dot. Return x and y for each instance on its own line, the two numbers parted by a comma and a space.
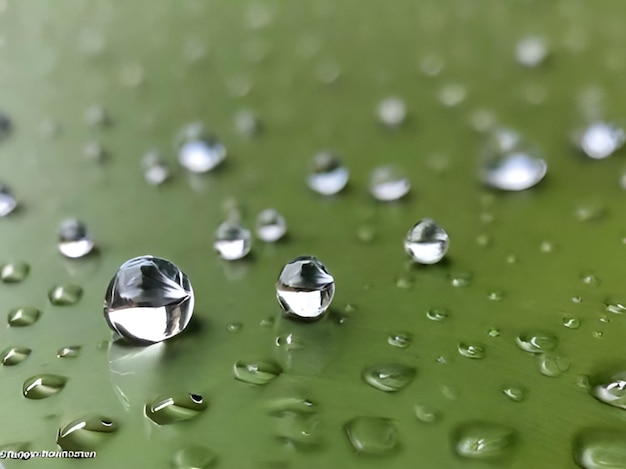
270, 225
70, 351
472, 350
14, 272
615, 304
372, 435
166, 410
552, 365
23, 316
43, 385
232, 241
536, 341
74, 240
600, 140
460, 279
388, 183
600, 449
514, 393
12, 356
155, 170
247, 123
258, 372
427, 414
193, 457
65, 295
391, 377
391, 111
97, 116
531, 51
483, 440
94, 151
327, 174
571, 322
304, 288
400, 339
426, 242
437, 314
85, 433
201, 153
149, 299
7, 201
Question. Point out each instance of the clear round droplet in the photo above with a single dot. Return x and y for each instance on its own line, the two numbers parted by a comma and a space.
165, 410
14, 272
70, 351
472, 350
257, 372
149, 299
12, 356
426, 242
388, 183
155, 170
74, 240
304, 288
86, 433
23, 316
43, 385
199, 152
327, 174
514, 393
552, 365
392, 111
65, 295
232, 241
536, 341
7, 201
391, 377
600, 449
482, 440
600, 140
400, 339
372, 435
270, 225
531, 51
193, 457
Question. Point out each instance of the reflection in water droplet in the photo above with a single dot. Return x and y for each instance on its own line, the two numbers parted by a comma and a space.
173, 409
514, 393
531, 51
391, 111
14, 355
426, 242
199, 151
610, 389
437, 314
257, 372
43, 385
71, 351
400, 339
600, 139
600, 449
23, 316
85, 433
481, 440
232, 241
426, 414
193, 457
14, 272
571, 322
327, 174
270, 225
535, 341
471, 350
73, 239
388, 183
155, 170
372, 435
7, 201
552, 365
391, 377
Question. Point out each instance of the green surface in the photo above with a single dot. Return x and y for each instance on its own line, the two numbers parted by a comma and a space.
196, 61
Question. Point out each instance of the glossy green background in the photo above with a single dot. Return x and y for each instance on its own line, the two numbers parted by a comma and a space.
157, 65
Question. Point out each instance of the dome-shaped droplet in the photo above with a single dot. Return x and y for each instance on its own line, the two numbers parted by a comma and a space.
74, 239
70, 351
600, 140
535, 341
43, 385
391, 111
610, 389
600, 449
304, 288
531, 51
201, 153
388, 183
257, 372
270, 225
23, 316
155, 170
552, 365
232, 241
426, 242
65, 295
400, 339
372, 435
14, 355
327, 175
7, 201
148, 300
171, 409
472, 350
482, 440
14, 272
514, 393
391, 377
85, 433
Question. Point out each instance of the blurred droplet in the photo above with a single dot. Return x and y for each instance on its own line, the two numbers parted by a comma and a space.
531, 51
14, 272
392, 111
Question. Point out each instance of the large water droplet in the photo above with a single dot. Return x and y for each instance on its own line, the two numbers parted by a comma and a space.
65, 295
270, 225
426, 242
155, 170
70, 351
531, 51
193, 457
232, 241
552, 365
165, 410
601, 139
387, 183
14, 355
14, 272
481, 440
7, 201
327, 176
391, 377
391, 111
537, 341
610, 389
372, 435
74, 240
199, 152
85, 433
257, 372
43, 385
148, 300
23, 316
304, 288
600, 449
472, 350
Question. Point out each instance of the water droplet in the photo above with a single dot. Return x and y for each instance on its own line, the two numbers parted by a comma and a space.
327, 175
391, 111
234, 327
14, 272
600, 140
94, 151
552, 365
452, 94
460, 279
199, 151
537, 341
390, 377
514, 172
7, 201
247, 123
400, 339
97, 116
372, 435
514, 393
193, 457
546, 246
426, 414
495, 295
148, 300
531, 51
304, 288
165, 410
610, 389
301, 428
431, 64
481, 440
388, 183
232, 241
366, 233
43, 385
23, 316
471, 350
270, 225
405, 282
600, 449
85, 433
615, 305
571, 322
257, 372
70, 351
14, 355
437, 314
493, 332
426, 242
65, 295
155, 170
74, 240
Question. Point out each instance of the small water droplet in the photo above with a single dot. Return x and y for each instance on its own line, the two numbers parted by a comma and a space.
400, 339
12, 356
94, 151
165, 410
299, 427
552, 365
65, 295
7, 201
97, 116
571, 322
247, 123
391, 377
73, 239
23, 316
257, 372
193, 457
514, 393
591, 279
366, 233
615, 305
200, 152
460, 279
482, 440
493, 332
600, 449
289, 342
437, 314
234, 327
531, 51
535, 341
452, 94
392, 111
431, 64
304, 288
327, 174
155, 170
70, 351
600, 139
43, 385
388, 183
546, 246
85, 433
14, 272
267, 322
405, 282
270, 225
232, 241
426, 242
495, 295
426, 414
372, 435
472, 350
